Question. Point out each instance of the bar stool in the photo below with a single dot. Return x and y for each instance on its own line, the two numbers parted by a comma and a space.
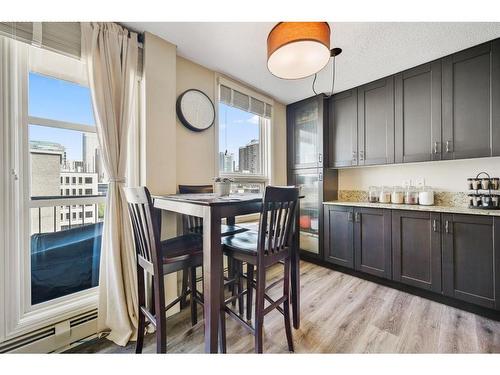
263, 249
157, 259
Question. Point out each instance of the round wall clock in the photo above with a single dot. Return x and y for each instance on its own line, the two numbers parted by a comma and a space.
195, 110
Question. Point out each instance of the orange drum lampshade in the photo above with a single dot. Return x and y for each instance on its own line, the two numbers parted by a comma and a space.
298, 49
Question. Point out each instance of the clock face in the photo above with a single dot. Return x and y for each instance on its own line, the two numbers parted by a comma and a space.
195, 110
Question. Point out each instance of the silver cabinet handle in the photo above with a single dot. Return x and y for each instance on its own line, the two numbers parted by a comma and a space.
448, 146
435, 147
354, 156
361, 155
320, 158
434, 225
349, 217
447, 226
357, 217
320, 176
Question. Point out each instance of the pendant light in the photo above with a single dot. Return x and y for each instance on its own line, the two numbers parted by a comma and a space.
298, 49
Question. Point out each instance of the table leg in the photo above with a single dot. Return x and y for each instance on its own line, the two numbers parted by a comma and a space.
295, 273
212, 275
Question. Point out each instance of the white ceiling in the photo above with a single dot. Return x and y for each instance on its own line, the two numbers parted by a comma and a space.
370, 50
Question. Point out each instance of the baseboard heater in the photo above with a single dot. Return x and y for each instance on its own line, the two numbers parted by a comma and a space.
56, 337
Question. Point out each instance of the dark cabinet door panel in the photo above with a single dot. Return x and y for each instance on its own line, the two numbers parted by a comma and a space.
470, 259
343, 129
372, 241
338, 230
416, 249
470, 84
418, 114
305, 120
376, 122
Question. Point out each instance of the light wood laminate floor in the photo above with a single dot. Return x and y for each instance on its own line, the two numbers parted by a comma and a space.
341, 314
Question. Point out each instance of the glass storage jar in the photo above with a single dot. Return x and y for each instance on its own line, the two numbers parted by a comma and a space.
476, 183
495, 200
426, 196
485, 183
373, 194
495, 182
469, 184
385, 195
411, 195
476, 200
398, 195
486, 200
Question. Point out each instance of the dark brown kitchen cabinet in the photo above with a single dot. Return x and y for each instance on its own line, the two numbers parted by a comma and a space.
372, 241
471, 259
416, 249
471, 93
338, 235
376, 122
305, 122
343, 129
418, 114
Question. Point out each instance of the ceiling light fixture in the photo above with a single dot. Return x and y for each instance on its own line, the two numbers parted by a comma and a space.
299, 49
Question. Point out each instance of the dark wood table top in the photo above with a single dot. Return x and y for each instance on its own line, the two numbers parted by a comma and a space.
210, 199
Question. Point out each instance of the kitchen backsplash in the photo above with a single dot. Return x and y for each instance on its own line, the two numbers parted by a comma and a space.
441, 198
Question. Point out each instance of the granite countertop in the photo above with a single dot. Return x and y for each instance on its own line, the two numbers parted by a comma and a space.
443, 209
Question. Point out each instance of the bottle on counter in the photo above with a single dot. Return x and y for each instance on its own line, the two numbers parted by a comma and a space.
426, 196
385, 195
411, 195
373, 194
398, 195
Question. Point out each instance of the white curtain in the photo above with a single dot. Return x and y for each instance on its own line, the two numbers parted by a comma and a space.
110, 53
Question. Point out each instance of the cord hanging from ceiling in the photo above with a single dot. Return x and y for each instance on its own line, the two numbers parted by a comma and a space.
335, 52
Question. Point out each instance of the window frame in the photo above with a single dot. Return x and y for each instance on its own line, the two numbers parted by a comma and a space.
265, 134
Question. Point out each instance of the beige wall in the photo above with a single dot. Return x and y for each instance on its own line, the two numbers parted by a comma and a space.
195, 150
442, 175
278, 145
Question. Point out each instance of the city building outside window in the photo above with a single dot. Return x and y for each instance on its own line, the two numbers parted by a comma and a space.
244, 120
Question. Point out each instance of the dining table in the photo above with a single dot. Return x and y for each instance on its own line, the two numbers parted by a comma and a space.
213, 209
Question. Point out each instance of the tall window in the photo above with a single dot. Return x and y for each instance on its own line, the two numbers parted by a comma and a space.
65, 229
244, 128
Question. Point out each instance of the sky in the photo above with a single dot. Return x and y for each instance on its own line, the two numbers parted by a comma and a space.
236, 129
59, 100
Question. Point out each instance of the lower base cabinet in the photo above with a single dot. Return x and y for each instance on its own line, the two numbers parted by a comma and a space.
450, 254
471, 259
372, 241
416, 249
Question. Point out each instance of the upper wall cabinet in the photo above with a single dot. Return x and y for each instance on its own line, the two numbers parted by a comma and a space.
343, 129
305, 121
418, 114
471, 97
376, 122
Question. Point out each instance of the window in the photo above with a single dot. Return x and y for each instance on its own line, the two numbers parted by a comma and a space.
88, 180
62, 146
62, 192
88, 214
244, 122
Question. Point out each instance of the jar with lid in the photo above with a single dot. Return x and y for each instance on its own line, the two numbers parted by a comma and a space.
495, 200
385, 195
411, 195
486, 200
398, 195
373, 194
476, 183
485, 183
495, 182
426, 196
469, 184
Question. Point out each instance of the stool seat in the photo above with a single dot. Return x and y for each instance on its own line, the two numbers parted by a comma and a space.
245, 242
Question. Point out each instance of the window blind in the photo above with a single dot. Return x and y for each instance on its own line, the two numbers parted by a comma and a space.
245, 102
60, 37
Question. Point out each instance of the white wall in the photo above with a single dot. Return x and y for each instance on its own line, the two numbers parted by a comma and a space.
442, 175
